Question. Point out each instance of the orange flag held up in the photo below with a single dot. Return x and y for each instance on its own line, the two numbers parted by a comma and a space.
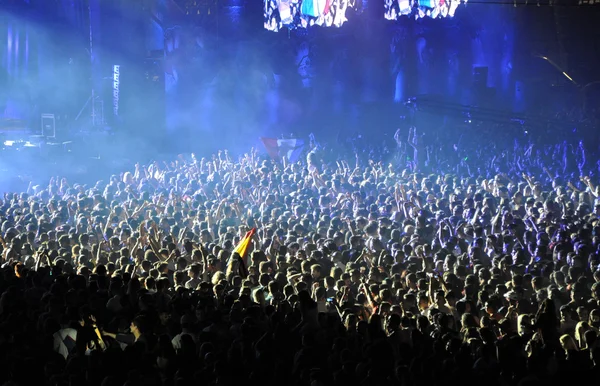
242, 250
242, 247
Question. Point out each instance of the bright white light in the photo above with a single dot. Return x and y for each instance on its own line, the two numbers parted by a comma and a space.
116, 88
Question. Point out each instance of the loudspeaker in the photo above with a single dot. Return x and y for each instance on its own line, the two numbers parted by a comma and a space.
48, 126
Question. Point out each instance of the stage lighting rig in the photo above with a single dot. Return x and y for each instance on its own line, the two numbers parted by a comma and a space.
199, 7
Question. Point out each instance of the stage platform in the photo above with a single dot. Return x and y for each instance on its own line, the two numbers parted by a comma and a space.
83, 157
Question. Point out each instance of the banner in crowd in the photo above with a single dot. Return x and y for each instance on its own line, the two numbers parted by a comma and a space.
305, 13
290, 148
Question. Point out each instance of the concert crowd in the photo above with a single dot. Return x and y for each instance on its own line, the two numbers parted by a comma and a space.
465, 264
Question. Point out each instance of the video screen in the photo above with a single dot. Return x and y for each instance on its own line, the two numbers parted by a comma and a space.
305, 13
418, 9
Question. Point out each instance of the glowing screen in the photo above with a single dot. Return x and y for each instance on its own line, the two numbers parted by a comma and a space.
305, 13
420, 8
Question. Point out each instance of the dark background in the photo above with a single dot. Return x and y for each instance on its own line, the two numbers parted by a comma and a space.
204, 74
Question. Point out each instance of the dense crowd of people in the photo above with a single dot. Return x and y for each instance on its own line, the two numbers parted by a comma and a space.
432, 269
